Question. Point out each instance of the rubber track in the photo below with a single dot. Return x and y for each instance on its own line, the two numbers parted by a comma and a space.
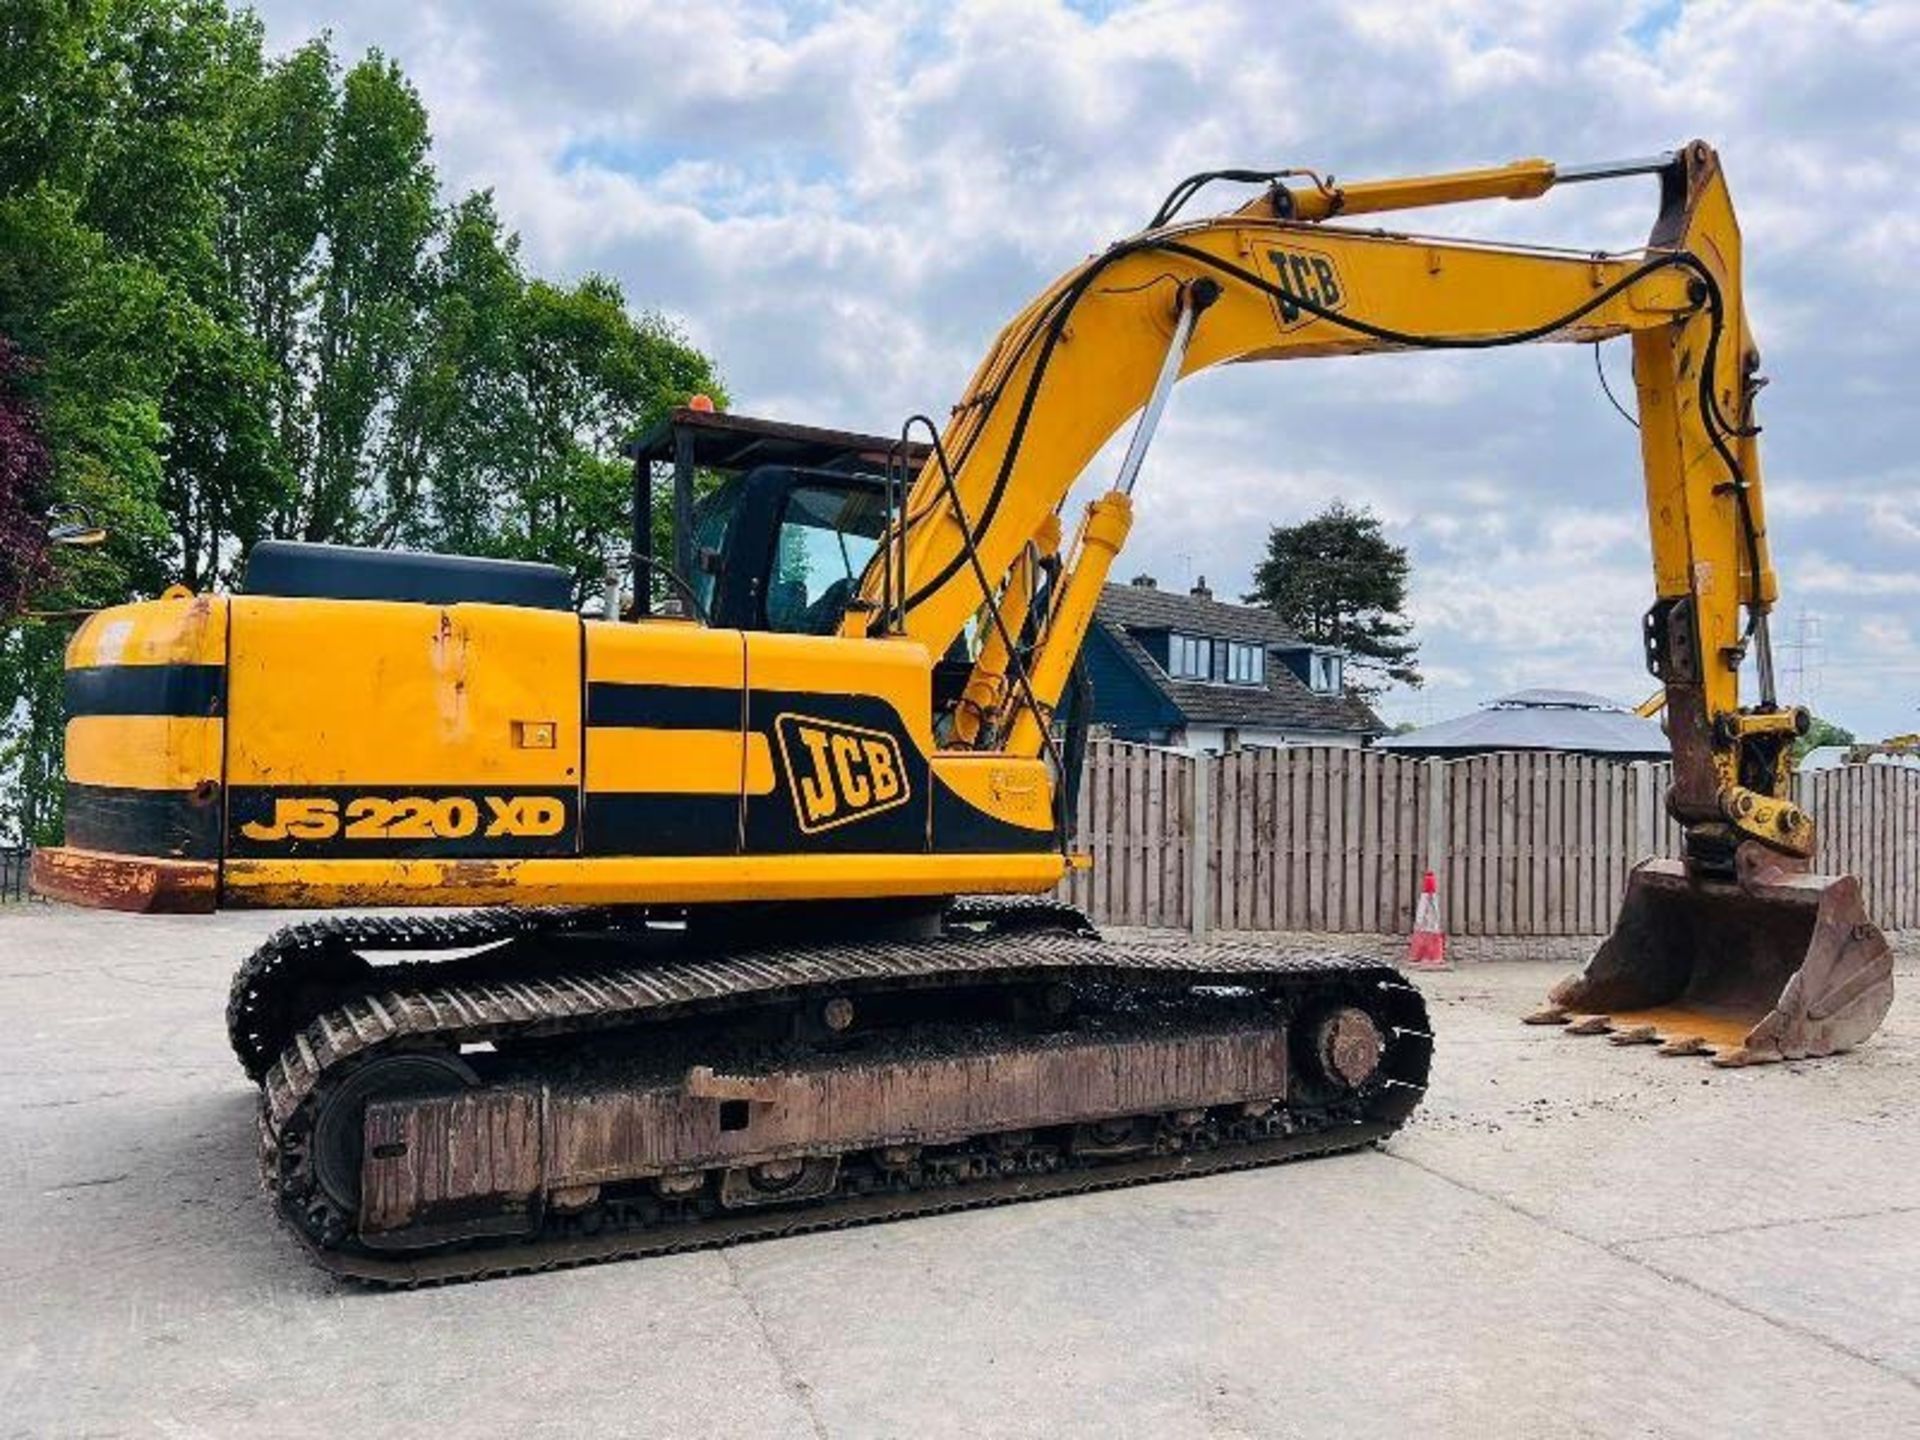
1015, 942
533, 1257
553, 1004
278, 962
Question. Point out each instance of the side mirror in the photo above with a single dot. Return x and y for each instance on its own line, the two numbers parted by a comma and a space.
73, 526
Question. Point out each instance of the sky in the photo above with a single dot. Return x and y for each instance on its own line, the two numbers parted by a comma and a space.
843, 203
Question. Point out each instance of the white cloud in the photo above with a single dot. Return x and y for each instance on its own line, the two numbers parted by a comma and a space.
1823, 576
843, 202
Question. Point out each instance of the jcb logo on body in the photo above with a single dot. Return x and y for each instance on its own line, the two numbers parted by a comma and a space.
409, 817
839, 773
1305, 275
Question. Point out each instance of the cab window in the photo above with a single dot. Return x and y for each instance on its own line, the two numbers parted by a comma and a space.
712, 517
826, 537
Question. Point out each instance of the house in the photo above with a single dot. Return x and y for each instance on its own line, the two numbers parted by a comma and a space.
1197, 673
1820, 757
1571, 721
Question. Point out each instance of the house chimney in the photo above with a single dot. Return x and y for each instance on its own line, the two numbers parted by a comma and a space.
1145, 582
1200, 590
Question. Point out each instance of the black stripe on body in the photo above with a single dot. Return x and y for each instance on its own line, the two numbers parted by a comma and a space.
962, 828
179, 824
616, 704
653, 825
145, 690
669, 824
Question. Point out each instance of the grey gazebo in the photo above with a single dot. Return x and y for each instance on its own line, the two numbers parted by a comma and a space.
1571, 721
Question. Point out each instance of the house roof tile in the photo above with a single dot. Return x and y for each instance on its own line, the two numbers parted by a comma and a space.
1139, 607
1283, 703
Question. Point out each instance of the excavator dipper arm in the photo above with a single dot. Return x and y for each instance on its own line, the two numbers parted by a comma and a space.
1076, 364
1271, 281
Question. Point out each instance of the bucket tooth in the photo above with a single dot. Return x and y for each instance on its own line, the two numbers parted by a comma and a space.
1780, 965
1638, 1035
1686, 1045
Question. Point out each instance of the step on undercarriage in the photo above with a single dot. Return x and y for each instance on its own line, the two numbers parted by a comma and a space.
590, 1085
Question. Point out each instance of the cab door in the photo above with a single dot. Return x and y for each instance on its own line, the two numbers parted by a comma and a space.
668, 757
846, 723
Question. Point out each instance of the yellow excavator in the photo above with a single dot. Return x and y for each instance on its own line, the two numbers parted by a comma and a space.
763, 944
1898, 747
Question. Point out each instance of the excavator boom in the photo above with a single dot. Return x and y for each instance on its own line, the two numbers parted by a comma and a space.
1272, 281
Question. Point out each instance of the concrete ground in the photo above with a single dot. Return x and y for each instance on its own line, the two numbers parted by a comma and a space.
1568, 1240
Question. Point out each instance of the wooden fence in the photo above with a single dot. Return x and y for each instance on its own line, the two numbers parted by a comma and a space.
1335, 839
1869, 822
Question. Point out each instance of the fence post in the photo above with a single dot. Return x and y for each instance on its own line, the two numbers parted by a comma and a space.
1433, 778
1651, 837
1200, 849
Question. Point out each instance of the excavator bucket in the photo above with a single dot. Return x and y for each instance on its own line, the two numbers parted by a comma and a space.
1780, 967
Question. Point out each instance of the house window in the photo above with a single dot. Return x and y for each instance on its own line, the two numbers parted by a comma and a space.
1189, 658
1246, 665
1324, 672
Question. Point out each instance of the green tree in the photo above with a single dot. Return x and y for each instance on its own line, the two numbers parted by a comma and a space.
98, 330
1338, 581
507, 439
591, 376
161, 150
223, 470
460, 437
51, 92
111, 138
376, 193
1822, 732
271, 233
110, 276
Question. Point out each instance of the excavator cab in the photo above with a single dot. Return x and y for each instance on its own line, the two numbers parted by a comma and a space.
778, 536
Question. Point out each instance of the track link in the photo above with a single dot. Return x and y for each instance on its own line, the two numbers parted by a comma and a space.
301, 970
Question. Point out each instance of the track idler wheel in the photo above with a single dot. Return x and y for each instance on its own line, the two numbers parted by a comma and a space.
1348, 1046
1335, 1051
338, 1143
1780, 966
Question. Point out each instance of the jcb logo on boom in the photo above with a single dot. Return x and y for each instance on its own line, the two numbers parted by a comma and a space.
1305, 275
839, 773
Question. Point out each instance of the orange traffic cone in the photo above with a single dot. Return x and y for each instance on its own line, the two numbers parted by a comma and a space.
1427, 950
